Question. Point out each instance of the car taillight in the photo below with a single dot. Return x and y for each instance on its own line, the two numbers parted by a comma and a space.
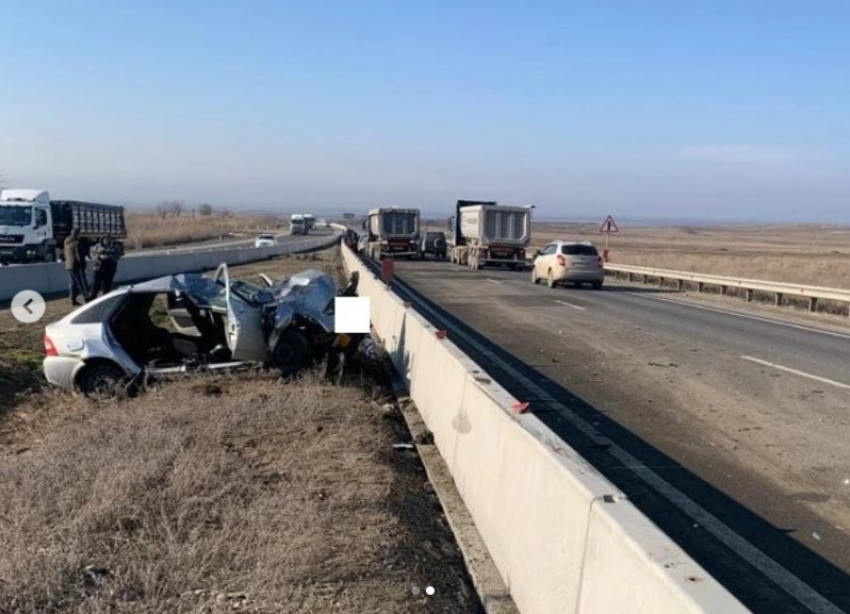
561, 260
49, 348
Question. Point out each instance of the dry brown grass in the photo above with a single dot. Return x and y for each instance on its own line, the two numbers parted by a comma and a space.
219, 494
804, 254
152, 231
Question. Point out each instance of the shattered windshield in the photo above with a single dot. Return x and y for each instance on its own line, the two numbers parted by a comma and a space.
15, 215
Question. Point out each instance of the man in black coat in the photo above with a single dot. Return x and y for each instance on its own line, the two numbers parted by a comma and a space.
75, 265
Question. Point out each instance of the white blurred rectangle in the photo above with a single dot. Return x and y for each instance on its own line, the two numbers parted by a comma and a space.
351, 314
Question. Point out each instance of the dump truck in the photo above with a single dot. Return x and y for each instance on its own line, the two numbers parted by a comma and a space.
486, 233
33, 228
392, 232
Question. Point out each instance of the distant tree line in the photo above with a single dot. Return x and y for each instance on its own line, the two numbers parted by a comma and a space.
178, 208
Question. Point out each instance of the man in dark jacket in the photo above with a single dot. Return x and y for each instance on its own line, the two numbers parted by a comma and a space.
105, 255
75, 265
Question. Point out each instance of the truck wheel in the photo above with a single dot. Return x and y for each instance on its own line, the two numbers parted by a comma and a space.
50, 255
291, 354
100, 380
550, 279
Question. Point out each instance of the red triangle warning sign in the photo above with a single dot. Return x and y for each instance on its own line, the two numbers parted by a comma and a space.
609, 226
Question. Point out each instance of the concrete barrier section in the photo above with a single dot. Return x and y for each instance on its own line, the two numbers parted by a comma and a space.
51, 278
563, 538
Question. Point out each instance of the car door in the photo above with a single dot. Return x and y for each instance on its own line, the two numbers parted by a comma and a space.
542, 264
244, 324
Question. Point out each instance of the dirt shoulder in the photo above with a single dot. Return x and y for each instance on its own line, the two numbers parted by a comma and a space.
211, 495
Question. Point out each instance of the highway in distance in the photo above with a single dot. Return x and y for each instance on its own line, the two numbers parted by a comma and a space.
727, 427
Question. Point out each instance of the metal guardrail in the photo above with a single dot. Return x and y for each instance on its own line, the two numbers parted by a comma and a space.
780, 290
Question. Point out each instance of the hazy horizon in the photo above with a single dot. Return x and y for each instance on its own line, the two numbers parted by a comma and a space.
663, 110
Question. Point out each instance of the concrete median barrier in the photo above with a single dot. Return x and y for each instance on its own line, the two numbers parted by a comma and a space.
51, 278
563, 538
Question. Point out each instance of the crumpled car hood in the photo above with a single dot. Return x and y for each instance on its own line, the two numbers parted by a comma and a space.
309, 293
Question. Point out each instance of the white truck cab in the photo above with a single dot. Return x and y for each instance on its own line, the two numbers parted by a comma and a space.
26, 226
298, 224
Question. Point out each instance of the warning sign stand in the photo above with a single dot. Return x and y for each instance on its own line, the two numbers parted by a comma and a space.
609, 227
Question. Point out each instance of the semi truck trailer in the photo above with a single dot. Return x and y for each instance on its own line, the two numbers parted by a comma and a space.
392, 232
486, 233
33, 228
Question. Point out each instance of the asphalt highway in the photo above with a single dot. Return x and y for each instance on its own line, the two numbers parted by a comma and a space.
743, 416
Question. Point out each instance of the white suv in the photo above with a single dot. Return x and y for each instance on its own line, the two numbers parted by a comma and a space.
569, 262
265, 240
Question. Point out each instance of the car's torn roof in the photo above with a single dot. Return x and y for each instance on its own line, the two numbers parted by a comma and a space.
193, 284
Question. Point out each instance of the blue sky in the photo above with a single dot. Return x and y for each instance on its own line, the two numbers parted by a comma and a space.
641, 108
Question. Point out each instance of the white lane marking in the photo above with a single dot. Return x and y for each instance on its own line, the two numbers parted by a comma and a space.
787, 581
566, 304
817, 378
743, 315
493, 281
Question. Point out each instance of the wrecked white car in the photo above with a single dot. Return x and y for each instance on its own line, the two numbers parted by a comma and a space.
192, 322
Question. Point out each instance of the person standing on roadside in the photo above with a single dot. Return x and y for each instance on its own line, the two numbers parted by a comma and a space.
75, 265
105, 255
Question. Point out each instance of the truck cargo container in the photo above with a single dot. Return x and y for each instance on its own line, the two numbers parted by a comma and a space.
33, 228
392, 232
486, 233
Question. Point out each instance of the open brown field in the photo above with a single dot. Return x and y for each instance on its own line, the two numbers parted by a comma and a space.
150, 230
806, 254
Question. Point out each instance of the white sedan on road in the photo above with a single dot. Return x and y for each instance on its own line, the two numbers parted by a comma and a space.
563, 262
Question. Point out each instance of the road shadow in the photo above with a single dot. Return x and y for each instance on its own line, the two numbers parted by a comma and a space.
745, 579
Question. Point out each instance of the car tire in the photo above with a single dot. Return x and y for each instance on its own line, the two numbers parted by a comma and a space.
100, 379
534, 278
291, 353
550, 280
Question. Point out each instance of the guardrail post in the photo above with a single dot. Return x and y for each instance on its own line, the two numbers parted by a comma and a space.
700, 286
749, 295
778, 301
724, 290
680, 284
813, 304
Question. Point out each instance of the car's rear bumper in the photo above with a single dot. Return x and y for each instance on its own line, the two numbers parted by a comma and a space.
588, 276
62, 370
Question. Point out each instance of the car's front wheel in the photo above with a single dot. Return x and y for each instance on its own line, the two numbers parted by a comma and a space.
100, 379
291, 353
